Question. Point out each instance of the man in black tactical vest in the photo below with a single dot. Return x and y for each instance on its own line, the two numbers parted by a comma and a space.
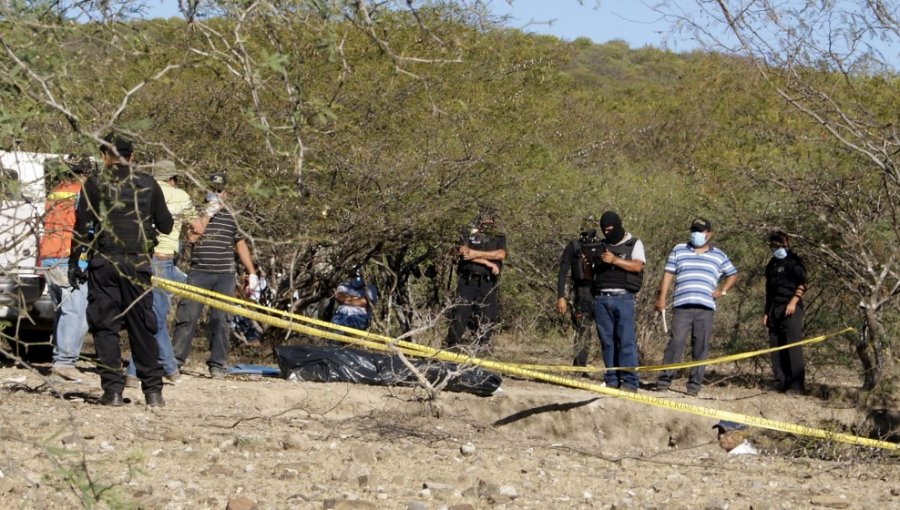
481, 253
785, 286
123, 209
618, 275
577, 259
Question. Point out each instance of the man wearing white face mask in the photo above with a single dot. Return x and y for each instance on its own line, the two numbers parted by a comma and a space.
785, 285
696, 267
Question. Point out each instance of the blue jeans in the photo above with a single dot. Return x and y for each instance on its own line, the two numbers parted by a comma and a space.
188, 313
70, 322
614, 315
360, 322
161, 302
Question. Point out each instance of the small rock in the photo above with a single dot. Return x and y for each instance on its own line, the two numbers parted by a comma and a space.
241, 503
438, 486
416, 505
894, 492
467, 450
462, 506
106, 446
830, 501
486, 490
348, 504
150, 502
508, 491
218, 469
363, 454
174, 435
70, 440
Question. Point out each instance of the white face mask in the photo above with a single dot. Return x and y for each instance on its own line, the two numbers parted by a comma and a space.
698, 239
210, 196
779, 253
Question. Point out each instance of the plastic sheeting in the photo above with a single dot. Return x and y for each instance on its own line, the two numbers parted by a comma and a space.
344, 364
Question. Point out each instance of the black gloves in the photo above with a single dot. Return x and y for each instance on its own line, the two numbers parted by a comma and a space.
76, 275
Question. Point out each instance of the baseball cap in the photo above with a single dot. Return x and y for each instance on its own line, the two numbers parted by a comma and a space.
123, 145
701, 225
217, 182
79, 163
164, 170
728, 426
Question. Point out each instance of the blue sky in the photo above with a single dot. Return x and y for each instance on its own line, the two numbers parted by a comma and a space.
628, 20
632, 21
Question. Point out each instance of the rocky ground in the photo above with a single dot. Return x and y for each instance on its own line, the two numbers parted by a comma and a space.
272, 443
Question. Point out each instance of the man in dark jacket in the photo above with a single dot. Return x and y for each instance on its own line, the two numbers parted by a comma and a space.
785, 286
481, 253
123, 209
577, 260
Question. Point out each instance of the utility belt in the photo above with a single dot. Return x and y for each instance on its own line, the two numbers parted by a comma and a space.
477, 278
612, 292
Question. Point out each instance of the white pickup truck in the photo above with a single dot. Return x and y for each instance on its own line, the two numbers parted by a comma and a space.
26, 313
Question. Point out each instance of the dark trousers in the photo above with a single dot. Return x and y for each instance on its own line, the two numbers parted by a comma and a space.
119, 288
787, 364
615, 327
583, 322
477, 308
188, 313
698, 323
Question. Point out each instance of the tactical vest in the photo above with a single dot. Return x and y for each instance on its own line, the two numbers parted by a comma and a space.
125, 216
608, 276
586, 256
480, 242
781, 278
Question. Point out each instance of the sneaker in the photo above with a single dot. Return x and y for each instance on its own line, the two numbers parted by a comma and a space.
70, 374
629, 389
693, 392
132, 382
174, 377
659, 387
217, 372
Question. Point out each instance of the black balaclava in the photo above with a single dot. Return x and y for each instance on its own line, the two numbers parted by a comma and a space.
611, 219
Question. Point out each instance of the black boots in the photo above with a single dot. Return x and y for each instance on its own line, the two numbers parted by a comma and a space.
154, 399
111, 398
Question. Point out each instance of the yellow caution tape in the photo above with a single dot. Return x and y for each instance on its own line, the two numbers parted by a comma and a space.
688, 364
219, 301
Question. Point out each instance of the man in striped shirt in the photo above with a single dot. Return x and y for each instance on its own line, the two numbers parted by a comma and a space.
216, 239
696, 267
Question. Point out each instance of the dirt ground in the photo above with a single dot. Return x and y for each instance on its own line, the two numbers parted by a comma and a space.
279, 444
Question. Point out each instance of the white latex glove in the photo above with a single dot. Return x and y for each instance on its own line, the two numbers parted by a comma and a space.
253, 287
212, 207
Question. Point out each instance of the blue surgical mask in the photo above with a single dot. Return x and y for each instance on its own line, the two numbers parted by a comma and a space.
698, 239
211, 196
779, 253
